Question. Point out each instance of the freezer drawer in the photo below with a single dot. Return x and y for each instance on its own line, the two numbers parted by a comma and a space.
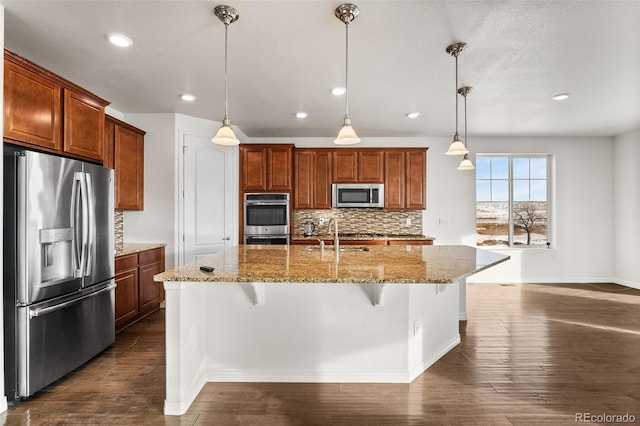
55, 337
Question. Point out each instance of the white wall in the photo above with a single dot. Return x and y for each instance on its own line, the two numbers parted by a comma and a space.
584, 179
583, 243
626, 201
156, 222
159, 221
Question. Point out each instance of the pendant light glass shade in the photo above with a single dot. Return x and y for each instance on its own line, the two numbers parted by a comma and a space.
225, 135
457, 147
466, 164
347, 136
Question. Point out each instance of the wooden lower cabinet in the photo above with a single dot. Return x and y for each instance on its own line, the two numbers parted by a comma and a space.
151, 293
126, 289
379, 242
410, 242
137, 295
363, 242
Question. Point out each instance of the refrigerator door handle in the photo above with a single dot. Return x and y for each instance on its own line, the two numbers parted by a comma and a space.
38, 312
76, 225
85, 225
90, 229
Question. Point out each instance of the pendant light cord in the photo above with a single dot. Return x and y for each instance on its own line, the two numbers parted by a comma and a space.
465, 121
226, 91
456, 55
346, 74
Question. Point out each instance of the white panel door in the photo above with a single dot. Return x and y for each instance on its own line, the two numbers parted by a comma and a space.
208, 193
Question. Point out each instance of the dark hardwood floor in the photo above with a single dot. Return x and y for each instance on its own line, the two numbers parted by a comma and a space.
530, 354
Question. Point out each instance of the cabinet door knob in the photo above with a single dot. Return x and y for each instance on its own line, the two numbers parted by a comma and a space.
226, 238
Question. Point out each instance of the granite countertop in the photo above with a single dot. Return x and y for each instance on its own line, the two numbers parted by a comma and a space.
131, 248
379, 264
364, 237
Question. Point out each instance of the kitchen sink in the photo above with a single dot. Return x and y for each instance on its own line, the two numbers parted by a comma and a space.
330, 248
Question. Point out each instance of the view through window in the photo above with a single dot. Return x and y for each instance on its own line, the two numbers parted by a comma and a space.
512, 200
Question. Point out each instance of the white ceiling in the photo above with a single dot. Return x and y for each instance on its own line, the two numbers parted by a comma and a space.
286, 56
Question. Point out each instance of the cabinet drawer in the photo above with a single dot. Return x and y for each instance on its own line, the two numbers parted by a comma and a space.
150, 256
126, 262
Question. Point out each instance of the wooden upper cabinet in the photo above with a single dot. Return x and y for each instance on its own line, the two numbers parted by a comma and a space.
394, 179
266, 167
345, 166
43, 110
128, 162
32, 108
304, 178
254, 168
358, 166
405, 179
279, 161
109, 142
322, 179
371, 166
416, 189
83, 126
312, 171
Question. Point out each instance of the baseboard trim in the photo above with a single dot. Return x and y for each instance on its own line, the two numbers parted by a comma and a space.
575, 280
425, 364
178, 408
626, 283
308, 376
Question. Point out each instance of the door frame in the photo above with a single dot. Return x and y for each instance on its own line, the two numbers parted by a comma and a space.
180, 206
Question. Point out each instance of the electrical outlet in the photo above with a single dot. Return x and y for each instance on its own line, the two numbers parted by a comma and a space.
417, 327
408, 221
442, 221
321, 221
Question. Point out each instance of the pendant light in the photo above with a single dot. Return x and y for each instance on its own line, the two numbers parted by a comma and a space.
456, 147
465, 164
347, 136
225, 135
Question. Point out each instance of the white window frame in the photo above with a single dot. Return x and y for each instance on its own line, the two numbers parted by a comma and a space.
550, 199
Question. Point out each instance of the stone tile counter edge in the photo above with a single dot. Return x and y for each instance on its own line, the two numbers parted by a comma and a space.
131, 248
377, 265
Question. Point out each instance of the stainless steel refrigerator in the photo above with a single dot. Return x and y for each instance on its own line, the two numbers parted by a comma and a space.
58, 267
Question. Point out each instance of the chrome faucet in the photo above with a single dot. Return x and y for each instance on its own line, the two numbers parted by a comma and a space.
336, 241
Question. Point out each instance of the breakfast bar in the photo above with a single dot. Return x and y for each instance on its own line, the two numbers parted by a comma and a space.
312, 314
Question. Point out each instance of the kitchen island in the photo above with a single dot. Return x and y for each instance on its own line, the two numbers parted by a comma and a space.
302, 314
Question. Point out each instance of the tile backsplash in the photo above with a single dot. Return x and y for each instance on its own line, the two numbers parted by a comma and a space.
361, 221
118, 226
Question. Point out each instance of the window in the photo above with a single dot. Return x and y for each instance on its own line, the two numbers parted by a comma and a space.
512, 200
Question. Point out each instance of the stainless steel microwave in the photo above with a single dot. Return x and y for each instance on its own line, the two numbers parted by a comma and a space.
370, 195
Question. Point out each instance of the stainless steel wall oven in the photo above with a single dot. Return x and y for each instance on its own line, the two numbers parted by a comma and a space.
266, 218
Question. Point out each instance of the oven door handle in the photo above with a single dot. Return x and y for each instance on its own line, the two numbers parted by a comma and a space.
266, 203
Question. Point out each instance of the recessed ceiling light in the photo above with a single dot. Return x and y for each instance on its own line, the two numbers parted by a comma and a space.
338, 91
119, 40
413, 114
560, 96
188, 97
301, 114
